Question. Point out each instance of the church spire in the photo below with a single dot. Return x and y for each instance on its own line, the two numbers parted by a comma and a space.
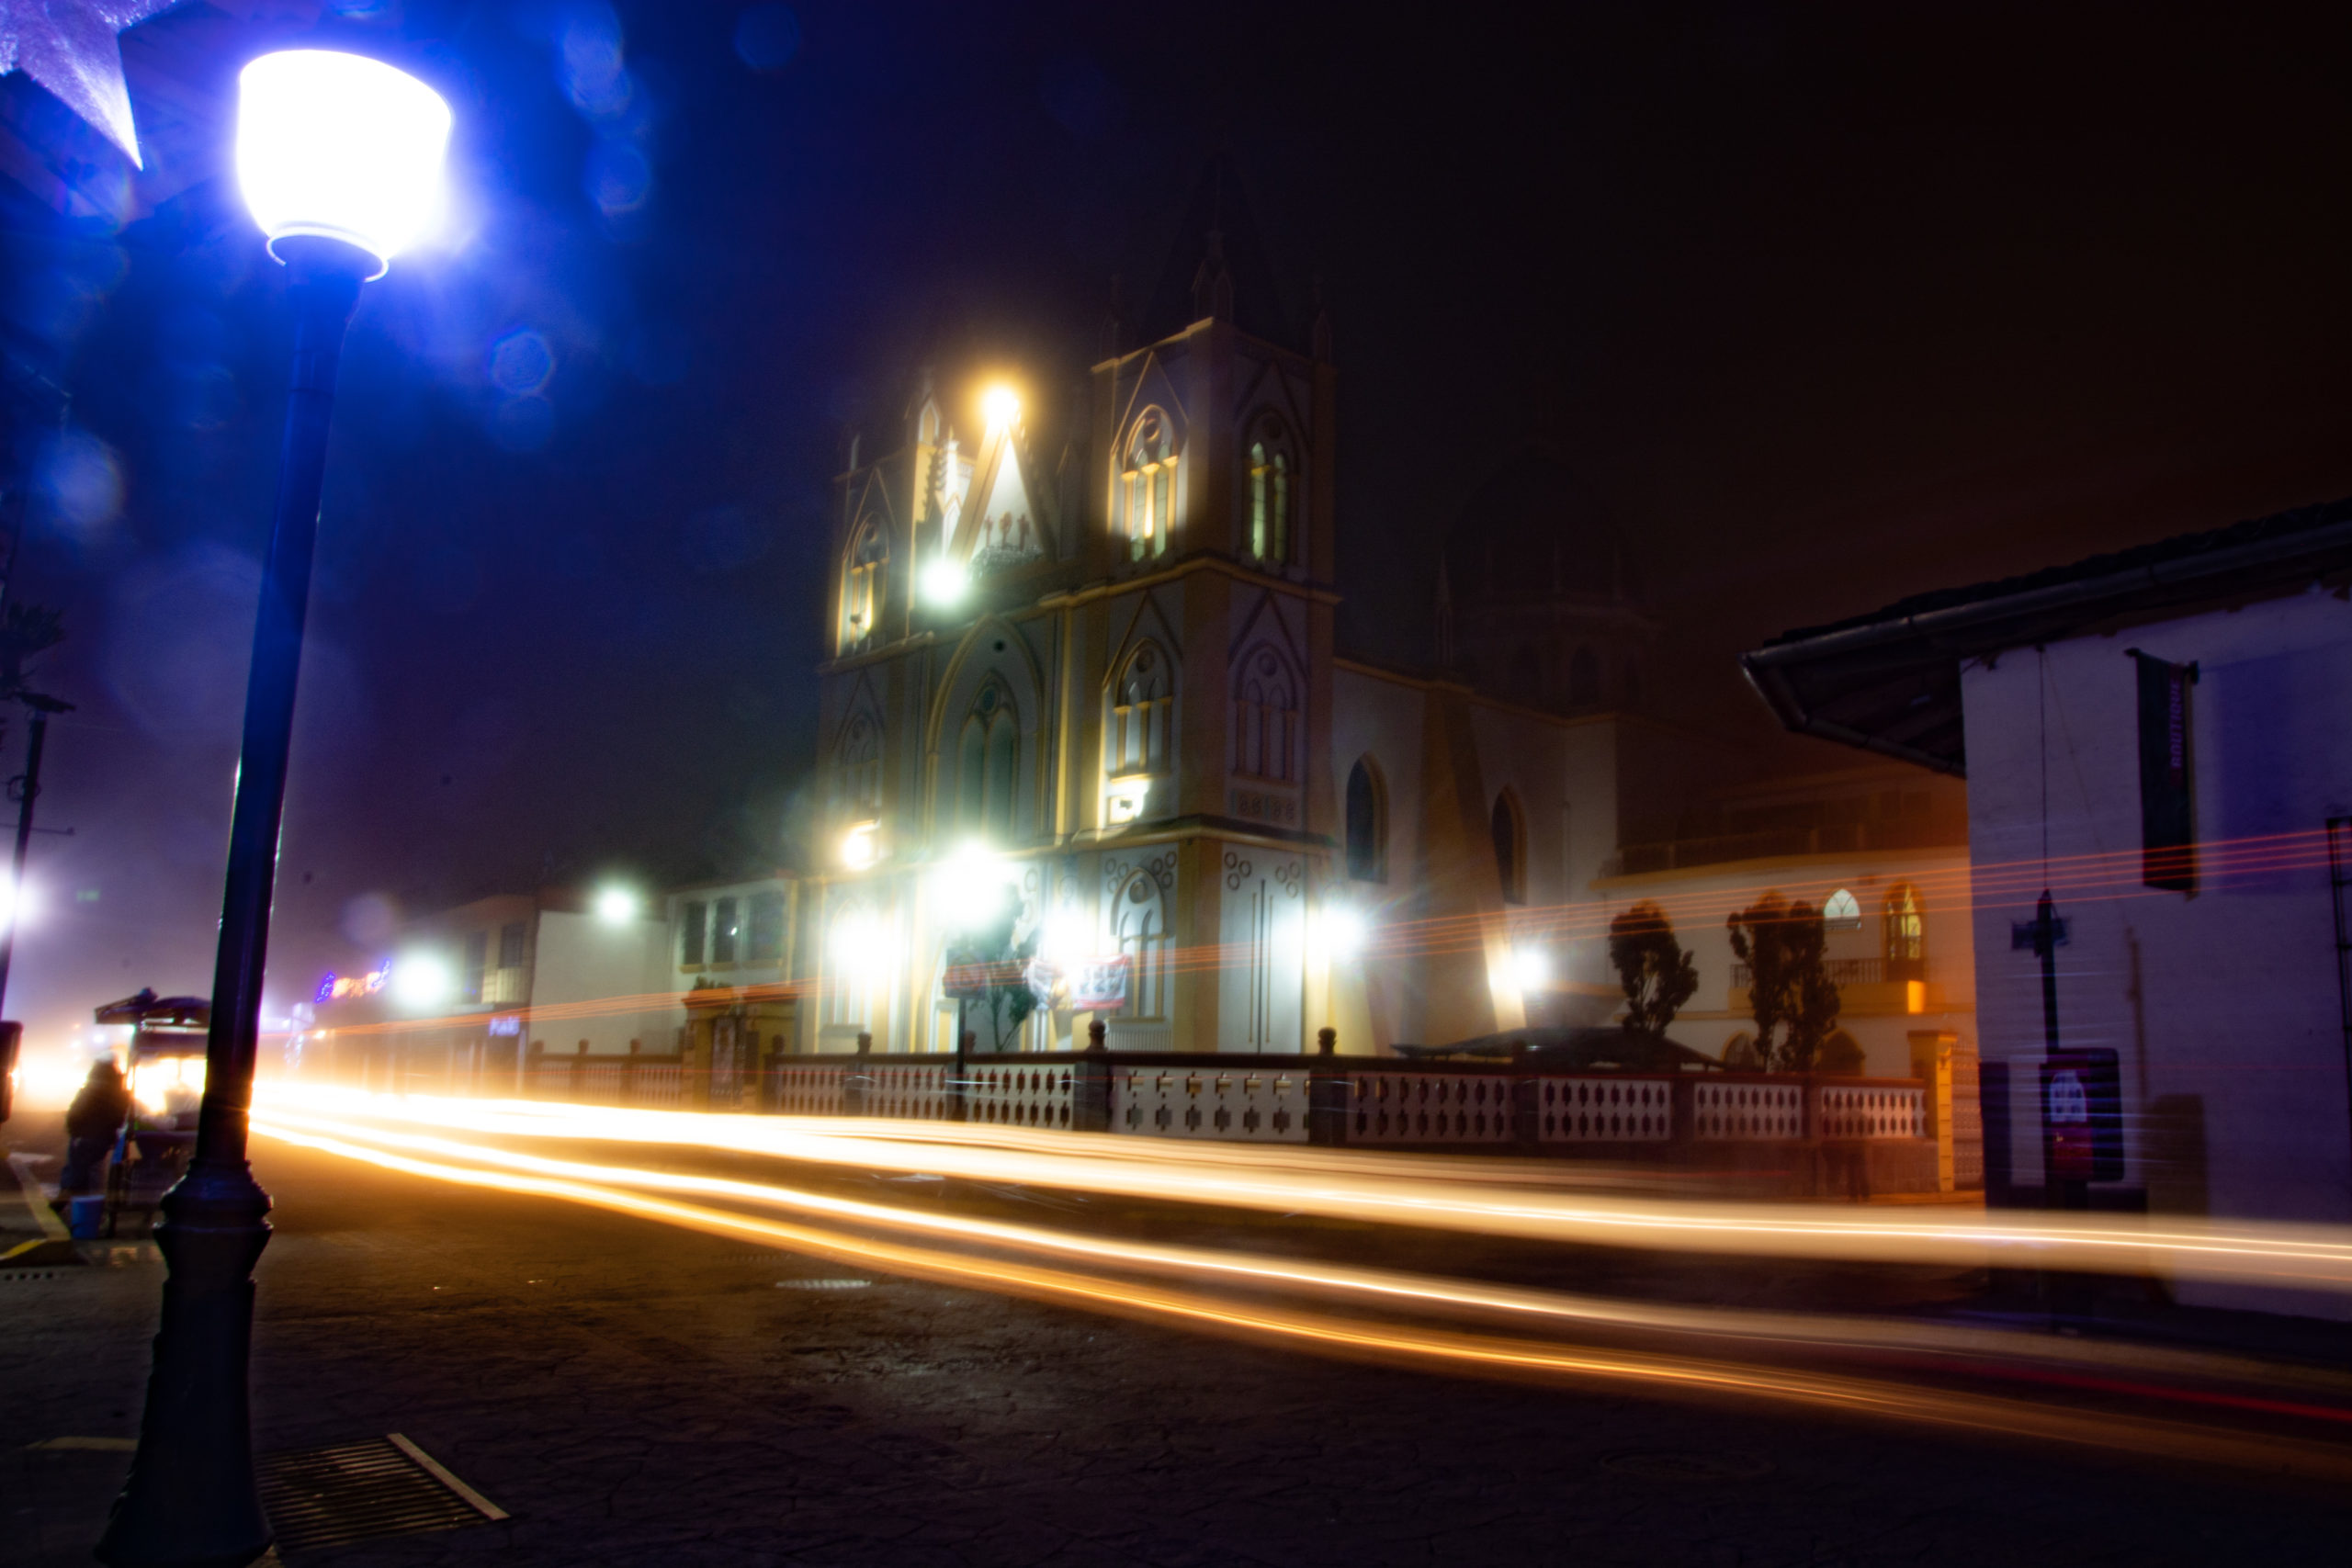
1213, 285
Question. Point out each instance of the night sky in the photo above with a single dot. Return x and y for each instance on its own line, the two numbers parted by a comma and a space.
1824, 306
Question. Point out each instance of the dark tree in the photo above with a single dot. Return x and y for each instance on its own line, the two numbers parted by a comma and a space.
1004, 999
1657, 971
1785, 949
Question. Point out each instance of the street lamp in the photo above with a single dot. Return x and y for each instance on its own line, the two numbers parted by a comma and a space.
340, 160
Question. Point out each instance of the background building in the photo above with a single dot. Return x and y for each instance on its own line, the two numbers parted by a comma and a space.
2163, 740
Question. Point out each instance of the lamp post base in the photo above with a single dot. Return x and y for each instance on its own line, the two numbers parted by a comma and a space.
191, 1501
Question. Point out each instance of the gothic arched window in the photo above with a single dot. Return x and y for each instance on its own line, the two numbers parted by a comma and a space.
1141, 704
1270, 486
858, 764
1139, 927
1906, 933
1147, 485
869, 551
987, 754
1841, 911
1584, 679
1367, 823
1266, 717
1511, 848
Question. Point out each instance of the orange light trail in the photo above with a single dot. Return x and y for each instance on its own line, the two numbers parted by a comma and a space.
1412, 1343
1422, 1192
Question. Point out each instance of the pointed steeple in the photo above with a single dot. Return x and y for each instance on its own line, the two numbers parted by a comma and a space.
1217, 219
1213, 286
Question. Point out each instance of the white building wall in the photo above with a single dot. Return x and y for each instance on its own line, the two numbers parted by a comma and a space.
606, 982
2223, 1003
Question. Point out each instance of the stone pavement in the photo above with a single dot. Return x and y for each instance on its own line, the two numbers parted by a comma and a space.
640, 1395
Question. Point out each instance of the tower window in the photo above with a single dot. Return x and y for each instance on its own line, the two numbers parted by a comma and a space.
1269, 474
1367, 824
987, 758
862, 582
1147, 486
1138, 739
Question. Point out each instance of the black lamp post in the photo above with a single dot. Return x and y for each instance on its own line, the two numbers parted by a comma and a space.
340, 158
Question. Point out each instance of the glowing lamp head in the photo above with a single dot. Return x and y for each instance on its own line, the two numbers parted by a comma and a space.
1344, 930
861, 846
1001, 404
420, 980
1529, 969
972, 887
944, 582
340, 147
616, 906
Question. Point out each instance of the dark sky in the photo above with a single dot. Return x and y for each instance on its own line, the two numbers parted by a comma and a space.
1824, 306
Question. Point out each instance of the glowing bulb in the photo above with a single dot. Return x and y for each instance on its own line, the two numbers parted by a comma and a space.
1344, 930
970, 886
944, 581
420, 980
339, 146
1002, 406
616, 906
1530, 968
860, 846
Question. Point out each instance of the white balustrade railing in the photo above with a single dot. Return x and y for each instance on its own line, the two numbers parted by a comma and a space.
1020, 1097
1251, 1105
1429, 1108
1605, 1109
1873, 1111
810, 1090
1729, 1112
915, 1090
657, 1086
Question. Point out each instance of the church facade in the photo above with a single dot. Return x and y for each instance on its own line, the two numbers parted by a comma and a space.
1098, 670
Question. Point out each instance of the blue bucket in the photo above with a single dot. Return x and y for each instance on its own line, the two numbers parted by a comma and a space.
85, 1216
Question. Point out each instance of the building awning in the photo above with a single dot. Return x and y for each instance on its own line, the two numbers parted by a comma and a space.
1889, 681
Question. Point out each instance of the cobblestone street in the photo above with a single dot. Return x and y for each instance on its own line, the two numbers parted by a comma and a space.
636, 1394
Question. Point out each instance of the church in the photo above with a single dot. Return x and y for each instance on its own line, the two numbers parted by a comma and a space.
1088, 657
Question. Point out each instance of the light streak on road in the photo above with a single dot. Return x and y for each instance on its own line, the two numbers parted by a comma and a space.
1425, 1193
1406, 1343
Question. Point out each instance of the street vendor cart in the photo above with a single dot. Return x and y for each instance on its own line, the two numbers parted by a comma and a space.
167, 1074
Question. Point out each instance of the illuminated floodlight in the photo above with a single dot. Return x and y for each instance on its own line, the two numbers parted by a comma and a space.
420, 980
944, 582
10, 903
340, 147
1123, 802
616, 906
970, 886
1001, 404
1529, 969
1343, 933
861, 846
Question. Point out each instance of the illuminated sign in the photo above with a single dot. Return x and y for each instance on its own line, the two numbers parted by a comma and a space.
335, 987
507, 1024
